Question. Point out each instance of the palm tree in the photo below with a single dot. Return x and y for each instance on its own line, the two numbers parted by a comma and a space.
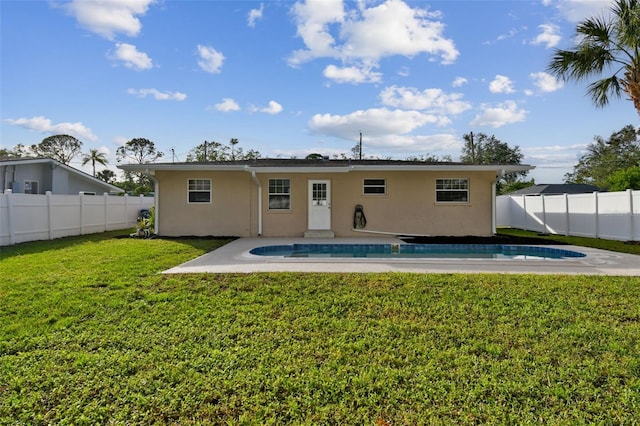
94, 156
233, 142
604, 45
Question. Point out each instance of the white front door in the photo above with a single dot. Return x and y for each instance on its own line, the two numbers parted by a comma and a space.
319, 204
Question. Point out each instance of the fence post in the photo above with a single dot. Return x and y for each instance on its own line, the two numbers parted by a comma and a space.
596, 214
567, 215
126, 210
524, 210
106, 211
81, 195
49, 214
12, 231
631, 230
544, 215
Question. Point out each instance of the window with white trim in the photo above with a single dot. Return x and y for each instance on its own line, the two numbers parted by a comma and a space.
374, 186
199, 190
31, 187
279, 194
452, 190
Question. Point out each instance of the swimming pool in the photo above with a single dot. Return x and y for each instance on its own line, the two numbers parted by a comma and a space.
457, 251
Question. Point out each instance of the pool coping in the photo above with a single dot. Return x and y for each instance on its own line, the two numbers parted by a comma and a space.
234, 257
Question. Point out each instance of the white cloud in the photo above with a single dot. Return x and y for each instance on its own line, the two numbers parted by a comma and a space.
393, 28
505, 36
549, 36
132, 58
254, 15
352, 75
553, 160
105, 150
577, 10
459, 81
210, 59
273, 108
120, 140
500, 115
374, 122
501, 84
109, 17
158, 95
227, 105
366, 35
414, 143
566, 154
313, 19
42, 124
382, 146
431, 100
546, 82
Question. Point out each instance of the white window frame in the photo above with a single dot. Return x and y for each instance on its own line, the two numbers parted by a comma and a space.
452, 185
196, 189
281, 195
30, 183
377, 185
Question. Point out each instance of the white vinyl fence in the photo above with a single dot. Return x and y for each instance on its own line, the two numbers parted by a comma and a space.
29, 217
607, 215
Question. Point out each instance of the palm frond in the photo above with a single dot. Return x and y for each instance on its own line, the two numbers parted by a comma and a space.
605, 45
595, 31
581, 63
599, 90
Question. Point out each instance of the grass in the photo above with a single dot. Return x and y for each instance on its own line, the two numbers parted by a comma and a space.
90, 333
598, 243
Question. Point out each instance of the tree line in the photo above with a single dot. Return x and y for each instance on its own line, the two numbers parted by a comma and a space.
611, 164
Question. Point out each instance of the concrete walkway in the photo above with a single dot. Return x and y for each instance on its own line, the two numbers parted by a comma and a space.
235, 258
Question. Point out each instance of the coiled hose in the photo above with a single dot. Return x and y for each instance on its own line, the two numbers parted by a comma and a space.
359, 219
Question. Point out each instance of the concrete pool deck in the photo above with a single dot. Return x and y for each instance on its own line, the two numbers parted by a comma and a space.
235, 258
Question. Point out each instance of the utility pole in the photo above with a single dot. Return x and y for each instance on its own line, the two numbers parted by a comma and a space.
360, 155
473, 150
173, 155
205, 151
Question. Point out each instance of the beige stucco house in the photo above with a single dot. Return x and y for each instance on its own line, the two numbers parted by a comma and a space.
295, 198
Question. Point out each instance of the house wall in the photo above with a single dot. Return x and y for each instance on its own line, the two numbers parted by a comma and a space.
408, 207
14, 176
228, 214
60, 183
76, 184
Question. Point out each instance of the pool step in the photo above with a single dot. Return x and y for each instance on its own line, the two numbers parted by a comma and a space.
319, 233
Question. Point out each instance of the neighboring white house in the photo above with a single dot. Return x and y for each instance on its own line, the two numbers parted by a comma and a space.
39, 175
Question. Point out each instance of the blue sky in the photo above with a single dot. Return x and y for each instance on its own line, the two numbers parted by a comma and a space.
289, 78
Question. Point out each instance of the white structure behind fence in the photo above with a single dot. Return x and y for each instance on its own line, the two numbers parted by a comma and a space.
29, 217
608, 215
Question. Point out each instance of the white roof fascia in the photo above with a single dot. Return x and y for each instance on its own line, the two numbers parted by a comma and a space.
453, 167
150, 168
146, 168
12, 162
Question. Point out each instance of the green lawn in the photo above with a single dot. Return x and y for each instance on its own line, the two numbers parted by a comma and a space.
90, 333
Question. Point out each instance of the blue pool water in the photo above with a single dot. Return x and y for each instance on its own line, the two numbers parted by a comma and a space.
459, 251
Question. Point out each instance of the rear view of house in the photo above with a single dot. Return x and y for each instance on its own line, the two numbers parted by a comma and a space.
343, 198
